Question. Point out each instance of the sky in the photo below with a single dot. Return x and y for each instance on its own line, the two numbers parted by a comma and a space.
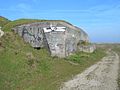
99, 18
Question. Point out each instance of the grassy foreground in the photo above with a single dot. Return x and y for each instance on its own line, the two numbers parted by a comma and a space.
24, 68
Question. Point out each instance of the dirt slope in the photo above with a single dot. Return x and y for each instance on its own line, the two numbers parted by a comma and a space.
101, 76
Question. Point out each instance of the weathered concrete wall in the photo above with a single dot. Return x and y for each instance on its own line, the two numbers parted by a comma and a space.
56, 42
87, 48
1, 32
60, 43
31, 34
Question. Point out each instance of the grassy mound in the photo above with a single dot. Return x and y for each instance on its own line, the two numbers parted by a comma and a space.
18, 22
3, 21
14, 23
25, 68
22, 67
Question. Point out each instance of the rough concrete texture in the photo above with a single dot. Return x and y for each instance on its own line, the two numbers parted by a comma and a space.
61, 42
1, 32
87, 48
101, 76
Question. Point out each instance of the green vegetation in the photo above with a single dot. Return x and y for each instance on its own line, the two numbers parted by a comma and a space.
25, 68
81, 57
3, 21
22, 67
14, 23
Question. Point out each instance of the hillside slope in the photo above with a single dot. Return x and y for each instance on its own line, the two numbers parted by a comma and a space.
3, 21
25, 68
19, 22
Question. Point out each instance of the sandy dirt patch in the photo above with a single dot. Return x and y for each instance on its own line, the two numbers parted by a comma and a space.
101, 76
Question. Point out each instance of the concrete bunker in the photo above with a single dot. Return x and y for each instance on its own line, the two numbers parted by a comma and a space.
60, 38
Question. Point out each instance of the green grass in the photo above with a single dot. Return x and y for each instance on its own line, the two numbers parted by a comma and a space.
18, 22
14, 23
3, 21
25, 68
